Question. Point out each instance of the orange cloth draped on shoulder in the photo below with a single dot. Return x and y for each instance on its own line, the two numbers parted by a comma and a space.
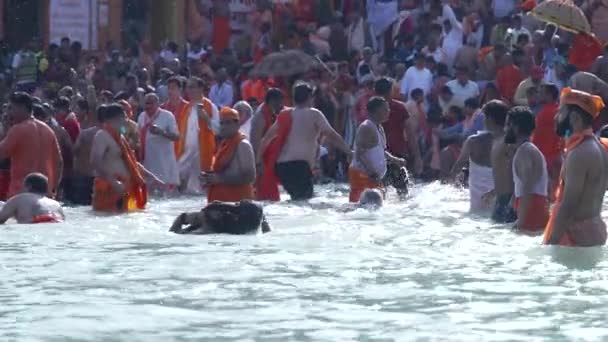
106, 199
585, 50
48, 218
359, 182
206, 138
537, 216
127, 107
176, 109
268, 183
544, 136
221, 33
221, 160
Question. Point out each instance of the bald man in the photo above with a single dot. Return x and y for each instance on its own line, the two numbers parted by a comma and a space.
158, 131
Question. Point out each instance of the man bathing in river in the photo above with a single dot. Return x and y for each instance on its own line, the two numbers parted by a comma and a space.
32, 205
530, 174
240, 218
369, 164
576, 217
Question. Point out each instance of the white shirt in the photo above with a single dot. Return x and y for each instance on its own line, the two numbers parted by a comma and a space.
452, 42
160, 153
221, 95
463, 93
416, 78
246, 128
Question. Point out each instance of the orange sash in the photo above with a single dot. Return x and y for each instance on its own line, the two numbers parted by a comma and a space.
538, 214
268, 183
106, 199
47, 218
359, 182
572, 143
176, 110
221, 160
206, 138
143, 133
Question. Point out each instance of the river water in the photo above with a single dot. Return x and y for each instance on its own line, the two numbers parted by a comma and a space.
418, 270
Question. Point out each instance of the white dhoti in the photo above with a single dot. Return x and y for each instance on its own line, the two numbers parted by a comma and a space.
481, 181
190, 163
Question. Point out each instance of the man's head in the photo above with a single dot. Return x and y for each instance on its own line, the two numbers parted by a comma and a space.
420, 61
40, 113
19, 106
274, 99
371, 199
578, 110
417, 95
456, 113
367, 54
495, 114
81, 109
62, 106
516, 22
536, 74
229, 122
471, 106
115, 116
549, 93
462, 75
303, 94
175, 87
36, 183
520, 124
196, 88
378, 109
65, 43
151, 104
106, 97
245, 111
384, 87
221, 75
132, 83
446, 94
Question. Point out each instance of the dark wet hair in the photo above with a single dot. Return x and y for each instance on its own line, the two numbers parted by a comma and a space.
375, 103
62, 103
22, 99
472, 102
198, 81
458, 112
113, 111
176, 80
552, 90
417, 92
101, 113
383, 86
496, 111
37, 183
39, 112
106, 93
302, 92
241, 218
83, 104
522, 118
273, 94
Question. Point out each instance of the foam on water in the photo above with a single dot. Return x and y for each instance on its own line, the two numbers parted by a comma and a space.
419, 270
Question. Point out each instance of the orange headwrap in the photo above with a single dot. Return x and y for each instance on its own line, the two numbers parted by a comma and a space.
227, 113
127, 108
591, 104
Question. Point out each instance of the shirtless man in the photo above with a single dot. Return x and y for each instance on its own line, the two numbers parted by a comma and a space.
369, 164
119, 184
501, 157
244, 217
32, 205
233, 169
301, 143
530, 175
477, 150
576, 218
83, 176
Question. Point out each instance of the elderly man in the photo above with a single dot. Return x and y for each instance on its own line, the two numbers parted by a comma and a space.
535, 80
245, 116
232, 171
158, 131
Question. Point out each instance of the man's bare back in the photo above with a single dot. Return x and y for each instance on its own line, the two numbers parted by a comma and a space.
303, 140
27, 207
481, 149
82, 152
502, 158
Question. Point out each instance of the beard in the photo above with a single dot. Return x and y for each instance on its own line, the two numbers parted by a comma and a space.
563, 127
510, 137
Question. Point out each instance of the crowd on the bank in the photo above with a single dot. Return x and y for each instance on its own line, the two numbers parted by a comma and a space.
420, 94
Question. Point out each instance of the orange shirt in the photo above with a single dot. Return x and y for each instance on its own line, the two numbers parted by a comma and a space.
585, 49
508, 79
544, 137
32, 147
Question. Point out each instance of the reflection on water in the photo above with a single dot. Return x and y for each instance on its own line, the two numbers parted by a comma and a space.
422, 270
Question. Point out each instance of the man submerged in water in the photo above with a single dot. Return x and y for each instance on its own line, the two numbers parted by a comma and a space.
33, 205
240, 218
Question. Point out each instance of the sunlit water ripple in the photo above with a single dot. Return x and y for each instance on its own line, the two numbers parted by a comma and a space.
418, 270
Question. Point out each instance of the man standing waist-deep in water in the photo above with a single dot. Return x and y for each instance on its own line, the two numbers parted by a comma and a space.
119, 183
369, 164
233, 168
576, 220
298, 131
530, 175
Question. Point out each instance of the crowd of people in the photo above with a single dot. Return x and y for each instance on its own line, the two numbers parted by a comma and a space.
463, 92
